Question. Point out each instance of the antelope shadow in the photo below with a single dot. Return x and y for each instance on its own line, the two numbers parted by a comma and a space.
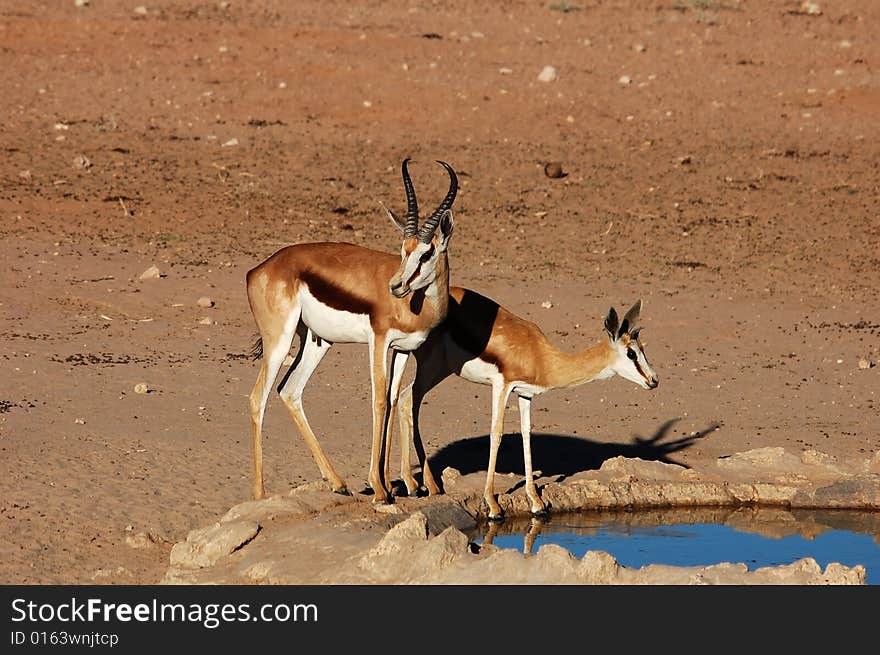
562, 455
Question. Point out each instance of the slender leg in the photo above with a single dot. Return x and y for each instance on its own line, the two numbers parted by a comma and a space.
535, 528
430, 371
312, 351
525, 406
379, 389
500, 391
275, 348
398, 364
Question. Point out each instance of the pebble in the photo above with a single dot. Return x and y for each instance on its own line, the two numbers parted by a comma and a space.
864, 363
206, 321
547, 74
141, 387
624, 79
553, 169
82, 162
141, 10
151, 273
546, 304
205, 301
232, 142
388, 509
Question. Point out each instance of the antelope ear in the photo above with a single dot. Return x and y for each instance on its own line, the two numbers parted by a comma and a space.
611, 323
394, 219
445, 231
635, 334
630, 319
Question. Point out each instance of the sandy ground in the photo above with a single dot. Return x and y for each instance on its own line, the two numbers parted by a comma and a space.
721, 160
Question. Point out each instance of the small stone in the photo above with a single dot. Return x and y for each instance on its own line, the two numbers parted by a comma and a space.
553, 169
811, 8
25, 174
206, 321
639, 47
81, 3
82, 162
546, 304
151, 273
547, 74
505, 71
79, 421
864, 363
140, 10
387, 509
624, 80
142, 540
684, 159
204, 301
141, 387
232, 142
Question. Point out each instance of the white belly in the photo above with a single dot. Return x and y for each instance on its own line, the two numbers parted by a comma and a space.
334, 325
406, 340
476, 370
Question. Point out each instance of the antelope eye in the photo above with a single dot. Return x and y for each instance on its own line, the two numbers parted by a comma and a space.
631, 354
426, 255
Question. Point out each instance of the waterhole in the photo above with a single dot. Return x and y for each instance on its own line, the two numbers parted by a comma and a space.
756, 537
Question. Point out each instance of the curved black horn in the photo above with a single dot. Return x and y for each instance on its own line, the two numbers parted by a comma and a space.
433, 220
412, 205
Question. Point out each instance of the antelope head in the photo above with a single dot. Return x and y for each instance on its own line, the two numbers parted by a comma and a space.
423, 253
629, 360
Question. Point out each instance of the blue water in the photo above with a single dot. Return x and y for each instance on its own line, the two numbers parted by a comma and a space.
704, 544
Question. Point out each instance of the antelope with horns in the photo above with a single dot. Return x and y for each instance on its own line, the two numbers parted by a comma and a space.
330, 293
487, 344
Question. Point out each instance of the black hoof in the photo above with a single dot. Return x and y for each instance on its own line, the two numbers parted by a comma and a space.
343, 492
541, 513
497, 519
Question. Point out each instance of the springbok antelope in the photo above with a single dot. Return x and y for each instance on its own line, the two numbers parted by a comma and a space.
487, 344
342, 293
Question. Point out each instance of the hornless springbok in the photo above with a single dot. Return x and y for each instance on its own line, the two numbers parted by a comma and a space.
487, 344
342, 293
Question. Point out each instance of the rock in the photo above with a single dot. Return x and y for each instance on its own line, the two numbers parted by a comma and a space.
231, 142
553, 170
449, 477
81, 3
203, 547
624, 80
82, 162
206, 320
445, 515
810, 8
547, 74
142, 540
141, 387
151, 273
205, 302
140, 10
864, 363
387, 509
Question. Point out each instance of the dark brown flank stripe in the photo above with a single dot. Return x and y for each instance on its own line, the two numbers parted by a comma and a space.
333, 296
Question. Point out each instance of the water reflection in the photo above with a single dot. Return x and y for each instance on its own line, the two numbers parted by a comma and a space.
756, 536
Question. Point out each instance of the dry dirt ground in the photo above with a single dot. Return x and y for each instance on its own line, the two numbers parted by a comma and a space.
721, 159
